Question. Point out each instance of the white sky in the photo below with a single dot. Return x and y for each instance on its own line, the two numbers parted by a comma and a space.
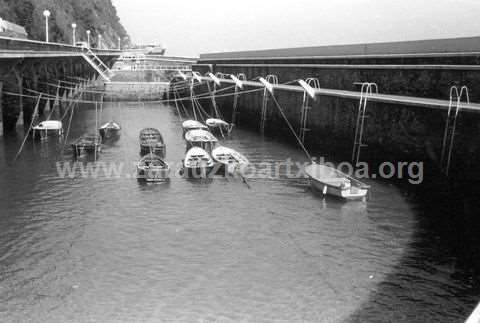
189, 27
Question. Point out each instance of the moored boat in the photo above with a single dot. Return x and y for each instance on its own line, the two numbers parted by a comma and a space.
329, 180
201, 138
48, 127
151, 141
197, 163
87, 144
188, 125
109, 129
229, 159
152, 168
218, 125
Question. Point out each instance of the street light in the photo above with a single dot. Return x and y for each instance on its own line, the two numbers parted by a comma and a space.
88, 38
74, 26
99, 42
46, 14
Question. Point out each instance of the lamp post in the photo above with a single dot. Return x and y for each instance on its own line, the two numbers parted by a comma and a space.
46, 14
88, 38
99, 42
74, 27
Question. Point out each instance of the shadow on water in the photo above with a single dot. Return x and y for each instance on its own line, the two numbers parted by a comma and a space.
438, 277
156, 187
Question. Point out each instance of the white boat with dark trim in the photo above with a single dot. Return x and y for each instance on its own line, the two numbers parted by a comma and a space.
201, 138
48, 127
188, 125
109, 129
197, 163
152, 168
218, 124
329, 180
230, 159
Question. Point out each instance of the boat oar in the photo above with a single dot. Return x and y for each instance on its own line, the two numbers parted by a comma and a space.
244, 180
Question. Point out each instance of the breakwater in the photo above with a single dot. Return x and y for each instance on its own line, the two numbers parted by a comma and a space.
144, 79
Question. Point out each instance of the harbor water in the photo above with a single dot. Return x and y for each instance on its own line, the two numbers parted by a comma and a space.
111, 249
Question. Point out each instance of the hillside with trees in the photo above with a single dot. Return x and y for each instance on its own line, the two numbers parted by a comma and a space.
98, 16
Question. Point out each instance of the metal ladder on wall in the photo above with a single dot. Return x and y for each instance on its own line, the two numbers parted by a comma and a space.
456, 99
366, 91
272, 79
97, 64
314, 83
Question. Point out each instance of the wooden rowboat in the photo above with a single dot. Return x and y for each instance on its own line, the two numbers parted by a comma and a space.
230, 159
192, 125
201, 138
151, 141
197, 163
87, 144
152, 168
329, 180
219, 126
109, 129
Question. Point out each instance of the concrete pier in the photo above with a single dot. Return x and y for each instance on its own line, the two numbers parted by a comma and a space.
27, 66
409, 130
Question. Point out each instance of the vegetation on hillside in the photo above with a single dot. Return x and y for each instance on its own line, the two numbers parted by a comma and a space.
98, 16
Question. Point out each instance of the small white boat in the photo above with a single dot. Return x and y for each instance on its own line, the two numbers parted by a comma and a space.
330, 181
45, 128
197, 163
152, 168
217, 123
201, 138
192, 125
231, 160
109, 129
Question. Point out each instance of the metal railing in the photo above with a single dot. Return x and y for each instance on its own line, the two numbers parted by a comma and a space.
142, 67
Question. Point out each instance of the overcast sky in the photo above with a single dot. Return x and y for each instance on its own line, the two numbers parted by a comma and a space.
189, 27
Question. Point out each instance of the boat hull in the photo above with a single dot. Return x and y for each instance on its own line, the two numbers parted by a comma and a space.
158, 149
45, 133
198, 172
153, 174
350, 193
207, 146
79, 149
109, 133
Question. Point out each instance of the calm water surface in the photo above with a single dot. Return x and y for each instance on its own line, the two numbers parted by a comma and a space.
115, 250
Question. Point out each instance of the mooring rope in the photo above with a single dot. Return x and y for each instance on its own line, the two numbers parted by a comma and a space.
291, 128
199, 97
72, 110
178, 108
35, 112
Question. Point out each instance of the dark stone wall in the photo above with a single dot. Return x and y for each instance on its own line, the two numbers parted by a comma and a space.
393, 132
21, 75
